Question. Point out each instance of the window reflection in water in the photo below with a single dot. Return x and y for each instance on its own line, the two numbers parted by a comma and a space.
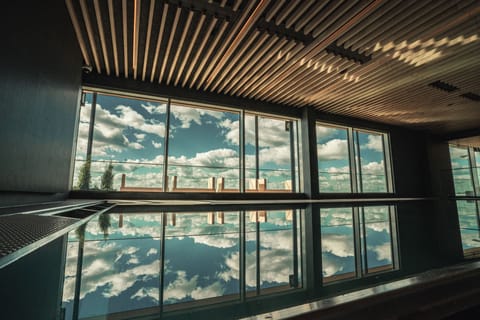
201, 256
144, 262
469, 226
338, 254
273, 251
357, 241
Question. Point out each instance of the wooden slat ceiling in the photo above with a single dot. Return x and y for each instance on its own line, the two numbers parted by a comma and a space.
367, 59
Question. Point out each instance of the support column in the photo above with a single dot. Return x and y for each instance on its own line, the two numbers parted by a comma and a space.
309, 143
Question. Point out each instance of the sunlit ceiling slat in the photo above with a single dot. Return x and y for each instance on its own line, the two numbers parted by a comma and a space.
91, 40
178, 51
273, 11
137, 5
125, 37
200, 49
339, 17
151, 11
363, 27
253, 68
238, 32
192, 41
233, 61
206, 57
98, 15
282, 15
322, 15
113, 32
249, 56
159, 42
169, 43
300, 10
269, 70
78, 32
238, 73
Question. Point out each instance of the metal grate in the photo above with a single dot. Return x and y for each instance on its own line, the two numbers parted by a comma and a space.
18, 231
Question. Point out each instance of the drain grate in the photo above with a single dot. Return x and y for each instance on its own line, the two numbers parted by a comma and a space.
18, 231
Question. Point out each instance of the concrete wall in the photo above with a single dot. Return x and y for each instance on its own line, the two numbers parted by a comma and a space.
40, 82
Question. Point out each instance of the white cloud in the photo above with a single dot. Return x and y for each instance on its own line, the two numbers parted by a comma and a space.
216, 289
152, 251
158, 109
140, 136
187, 115
181, 287
335, 149
156, 145
330, 267
143, 293
271, 132
324, 132
375, 143
384, 251
338, 244
374, 168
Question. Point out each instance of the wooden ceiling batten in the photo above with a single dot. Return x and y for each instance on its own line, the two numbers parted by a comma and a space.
275, 51
192, 41
180, 45
78, 32
230, 44
159, 41
125, 37
151, 11
169, 43
90, 35
113, 32
98, 15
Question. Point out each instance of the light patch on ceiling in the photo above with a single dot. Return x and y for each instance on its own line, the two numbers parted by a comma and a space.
420, 52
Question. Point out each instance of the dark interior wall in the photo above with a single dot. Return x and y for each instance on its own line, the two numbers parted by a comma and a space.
30, 287
40, 82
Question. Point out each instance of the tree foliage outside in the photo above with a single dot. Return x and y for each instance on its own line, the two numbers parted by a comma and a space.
84, 176
107, 178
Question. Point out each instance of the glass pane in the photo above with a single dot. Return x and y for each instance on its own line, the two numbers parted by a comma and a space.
333, 159
370, 162
128, 140
82, 140
461, 171
469, 228
211, 267
378, 240
203, 150
274, 154
272, 238
120, 270
268, 154
337, 238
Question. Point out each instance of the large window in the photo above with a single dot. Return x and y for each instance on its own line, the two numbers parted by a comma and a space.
358, 241
352, 160
155, 145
